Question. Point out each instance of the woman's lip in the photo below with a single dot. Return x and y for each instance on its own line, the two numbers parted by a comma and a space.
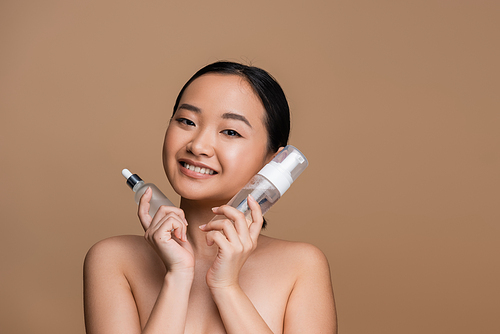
196, 164
192, 173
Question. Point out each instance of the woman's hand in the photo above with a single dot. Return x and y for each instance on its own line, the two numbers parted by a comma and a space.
236, 238
166, 232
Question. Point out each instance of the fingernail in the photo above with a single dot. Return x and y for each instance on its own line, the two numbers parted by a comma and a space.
215, 208
202, 226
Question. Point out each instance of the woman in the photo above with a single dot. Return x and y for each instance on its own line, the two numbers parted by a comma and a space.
189, 274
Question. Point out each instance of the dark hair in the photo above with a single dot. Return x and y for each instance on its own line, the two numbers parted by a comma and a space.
273, 98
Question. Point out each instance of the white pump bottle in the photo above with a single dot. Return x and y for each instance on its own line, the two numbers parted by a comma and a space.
271, 182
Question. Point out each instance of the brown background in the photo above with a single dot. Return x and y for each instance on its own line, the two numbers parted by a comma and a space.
395, 105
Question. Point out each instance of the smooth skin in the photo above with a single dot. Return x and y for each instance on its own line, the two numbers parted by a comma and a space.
191, 273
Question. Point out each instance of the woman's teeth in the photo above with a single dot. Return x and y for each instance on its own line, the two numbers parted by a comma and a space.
198, 169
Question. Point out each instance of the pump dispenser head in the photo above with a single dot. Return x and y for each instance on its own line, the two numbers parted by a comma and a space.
284, 168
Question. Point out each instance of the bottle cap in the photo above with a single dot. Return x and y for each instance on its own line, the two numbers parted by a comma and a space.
285, 168
132, 179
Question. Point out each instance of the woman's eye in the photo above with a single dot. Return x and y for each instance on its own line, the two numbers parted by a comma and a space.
185, 121
231, 133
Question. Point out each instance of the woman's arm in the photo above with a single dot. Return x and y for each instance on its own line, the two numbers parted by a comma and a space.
109, 303
108, 300
236, 239
238, 313
170, 310
110, 306
311, 306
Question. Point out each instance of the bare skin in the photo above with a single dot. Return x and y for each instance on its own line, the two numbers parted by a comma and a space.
189, 274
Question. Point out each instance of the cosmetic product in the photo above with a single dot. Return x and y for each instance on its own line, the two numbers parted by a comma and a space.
271, 182
139, 187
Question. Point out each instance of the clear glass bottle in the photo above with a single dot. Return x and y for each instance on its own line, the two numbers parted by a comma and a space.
271, 181
139, 187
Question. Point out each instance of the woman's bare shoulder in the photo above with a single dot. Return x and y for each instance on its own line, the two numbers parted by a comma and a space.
310, 305
119, 252
116, 245
297, 253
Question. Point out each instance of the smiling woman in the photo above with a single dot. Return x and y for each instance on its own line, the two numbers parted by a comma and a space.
192, 274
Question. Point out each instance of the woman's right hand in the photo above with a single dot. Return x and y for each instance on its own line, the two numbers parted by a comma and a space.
166, 232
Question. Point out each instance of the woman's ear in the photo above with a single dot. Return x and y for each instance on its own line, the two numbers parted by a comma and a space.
271, 156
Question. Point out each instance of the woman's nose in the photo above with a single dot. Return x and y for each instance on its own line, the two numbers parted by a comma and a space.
201, 144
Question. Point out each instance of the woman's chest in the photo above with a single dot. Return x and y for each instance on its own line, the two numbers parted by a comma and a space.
267, 289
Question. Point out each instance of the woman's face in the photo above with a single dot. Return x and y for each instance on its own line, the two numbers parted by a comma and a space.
216, 140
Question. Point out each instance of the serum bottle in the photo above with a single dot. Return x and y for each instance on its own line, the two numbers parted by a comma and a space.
271, 182
139, 187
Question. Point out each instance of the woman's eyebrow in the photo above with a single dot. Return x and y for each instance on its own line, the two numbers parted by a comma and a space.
190, 108
227, 115
238, 117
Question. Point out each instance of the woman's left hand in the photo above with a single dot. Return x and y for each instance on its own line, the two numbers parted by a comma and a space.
236, 238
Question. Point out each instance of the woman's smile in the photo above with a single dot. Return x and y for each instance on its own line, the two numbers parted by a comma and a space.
196, 170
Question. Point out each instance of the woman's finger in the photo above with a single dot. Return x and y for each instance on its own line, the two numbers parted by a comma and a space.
216, 237
179, 230
225, 226
165, 209
165, 212
143, 209
236, 216
257, 219
170, 223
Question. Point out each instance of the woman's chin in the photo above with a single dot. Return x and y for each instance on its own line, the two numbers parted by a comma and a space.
203, 200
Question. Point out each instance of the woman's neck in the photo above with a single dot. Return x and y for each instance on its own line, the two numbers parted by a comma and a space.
199, 213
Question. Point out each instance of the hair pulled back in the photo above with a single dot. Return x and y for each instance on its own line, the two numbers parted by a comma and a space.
277, 118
